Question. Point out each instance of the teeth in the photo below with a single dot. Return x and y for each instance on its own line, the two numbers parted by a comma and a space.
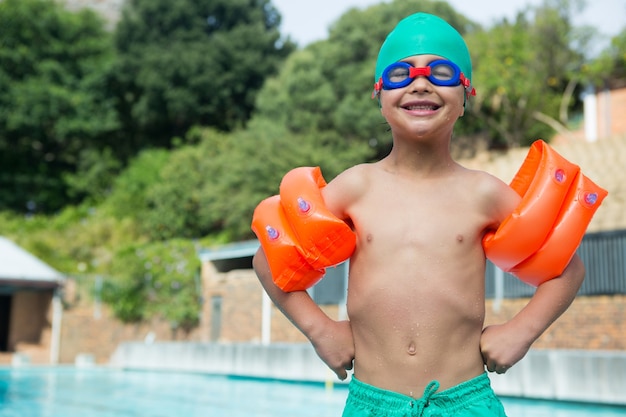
421, 107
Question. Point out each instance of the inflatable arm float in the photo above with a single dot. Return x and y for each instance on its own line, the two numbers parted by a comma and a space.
299, 235
536, 242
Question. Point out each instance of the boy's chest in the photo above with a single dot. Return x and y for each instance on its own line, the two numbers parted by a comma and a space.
436, 217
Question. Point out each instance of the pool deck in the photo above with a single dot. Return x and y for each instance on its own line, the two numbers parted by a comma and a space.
565, 375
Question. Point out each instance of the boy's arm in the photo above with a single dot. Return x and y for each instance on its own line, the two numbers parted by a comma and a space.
331, 339
503, 345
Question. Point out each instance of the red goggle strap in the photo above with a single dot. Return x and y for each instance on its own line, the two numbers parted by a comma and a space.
470, 91
377, 87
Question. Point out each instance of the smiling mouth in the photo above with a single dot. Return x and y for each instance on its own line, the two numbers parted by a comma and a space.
421, 107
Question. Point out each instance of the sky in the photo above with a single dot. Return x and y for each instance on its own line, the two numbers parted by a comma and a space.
308, 20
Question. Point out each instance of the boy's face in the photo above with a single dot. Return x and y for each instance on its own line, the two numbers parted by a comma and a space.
423, 107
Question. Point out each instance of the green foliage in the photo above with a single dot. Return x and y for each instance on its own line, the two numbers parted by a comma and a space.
77, 240
95, 172
618, 49
609, 68
174, 203
521, 72
128, 198
52, 106
212, 188
155, 280
258, 159
141, 279
184, 63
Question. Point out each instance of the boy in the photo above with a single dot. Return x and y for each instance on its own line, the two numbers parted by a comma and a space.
416, 301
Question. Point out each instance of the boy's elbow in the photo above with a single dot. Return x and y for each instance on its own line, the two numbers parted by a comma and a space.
577, 270
257, 260
260, 265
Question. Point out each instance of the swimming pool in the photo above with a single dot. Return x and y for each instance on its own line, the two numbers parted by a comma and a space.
103, 392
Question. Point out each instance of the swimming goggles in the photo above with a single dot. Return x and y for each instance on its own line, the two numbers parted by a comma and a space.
440, 72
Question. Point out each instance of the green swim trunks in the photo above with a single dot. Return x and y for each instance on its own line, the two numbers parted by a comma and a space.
471, 398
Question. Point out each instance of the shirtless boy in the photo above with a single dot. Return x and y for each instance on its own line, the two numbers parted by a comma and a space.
416, 294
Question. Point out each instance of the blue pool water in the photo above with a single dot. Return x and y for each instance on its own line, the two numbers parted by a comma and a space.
100, 392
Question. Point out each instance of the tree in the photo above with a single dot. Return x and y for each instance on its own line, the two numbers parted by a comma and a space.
52, 108
618, 50
251, 170
129, 194
184, 63
155, 280
522, 73
609, 68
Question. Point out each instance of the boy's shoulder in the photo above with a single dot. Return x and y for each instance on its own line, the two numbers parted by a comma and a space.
359, 173
352, 182
483, 177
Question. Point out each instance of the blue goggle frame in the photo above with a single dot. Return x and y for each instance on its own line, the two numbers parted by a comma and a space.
440, 72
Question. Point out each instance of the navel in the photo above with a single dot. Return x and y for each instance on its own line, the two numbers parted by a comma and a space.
459, 238
411, 350
369, 237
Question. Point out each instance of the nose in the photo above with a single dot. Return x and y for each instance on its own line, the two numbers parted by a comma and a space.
420, 84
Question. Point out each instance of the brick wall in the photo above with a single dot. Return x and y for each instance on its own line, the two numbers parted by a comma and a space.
242, 299
597, 322
86, 328
84, 333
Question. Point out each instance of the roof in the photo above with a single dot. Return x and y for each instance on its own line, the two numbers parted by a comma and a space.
20, 268
231, 256
230, 251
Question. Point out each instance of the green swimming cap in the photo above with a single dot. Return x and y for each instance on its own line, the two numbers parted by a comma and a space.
424, 34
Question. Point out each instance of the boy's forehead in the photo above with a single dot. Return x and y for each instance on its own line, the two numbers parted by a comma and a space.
424, 34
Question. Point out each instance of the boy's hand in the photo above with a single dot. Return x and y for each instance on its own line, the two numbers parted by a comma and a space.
335, 346
502, 346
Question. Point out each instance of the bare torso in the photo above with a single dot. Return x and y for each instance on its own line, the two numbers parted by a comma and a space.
416, 287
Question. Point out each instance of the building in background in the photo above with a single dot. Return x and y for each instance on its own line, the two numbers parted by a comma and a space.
30, 305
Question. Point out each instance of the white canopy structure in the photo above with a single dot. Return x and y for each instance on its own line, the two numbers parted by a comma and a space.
23, 273
20, 268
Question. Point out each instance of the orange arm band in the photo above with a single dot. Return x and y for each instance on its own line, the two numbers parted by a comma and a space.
537, 241
290, 270
298, 233
550, 260
325, 240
